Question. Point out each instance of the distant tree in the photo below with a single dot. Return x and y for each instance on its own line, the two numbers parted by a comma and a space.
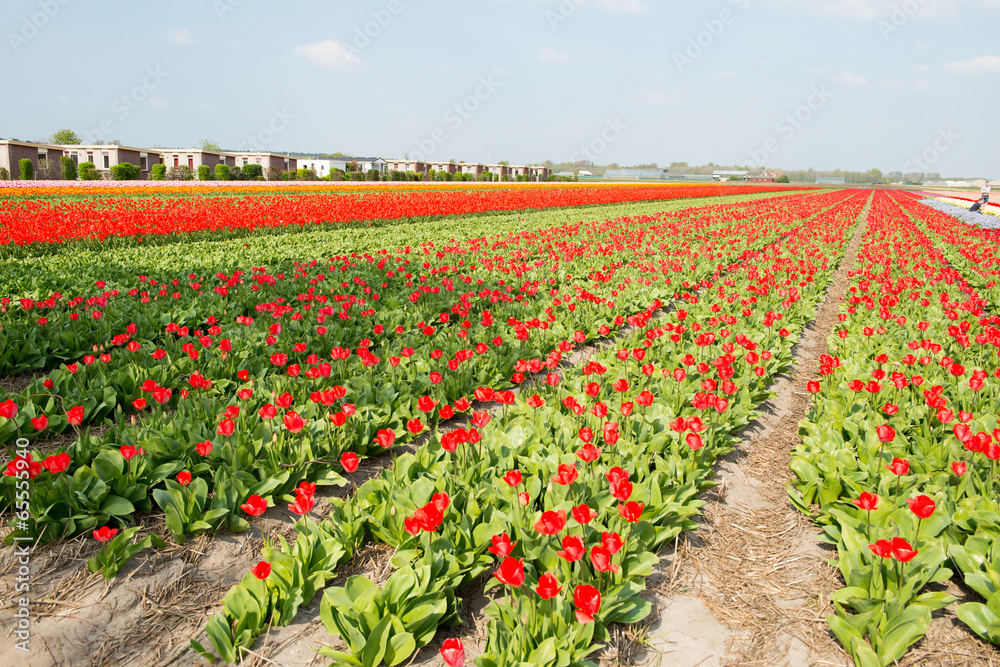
372, 175
273, 173
222, 172
784, 179
4, 174
253, 171
204, 173
26, 169
68, 168
158, 172
65, 137
505, 163
207, 145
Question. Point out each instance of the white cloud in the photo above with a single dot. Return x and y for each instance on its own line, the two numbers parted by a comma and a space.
892, 84
549, 55
980, 65
849, 79
723, 75
921, 70
181, 37
922, 85
328, 54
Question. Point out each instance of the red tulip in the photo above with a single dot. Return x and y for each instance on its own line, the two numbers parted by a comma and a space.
588, 453
103, 534
567, 475
511, 572
612, 542
882, 548
453, 652
261, 570
548, 586
204, 448
303, 504
814, 387
350, 461
8, 409
902, 550
573, 549
588, 602
922, 506
293, 422
551, 522
502, 546
184, 478
867, 501
513, 478
621, 489
254, 506
57, 463
75, 415
305, 488
583, 514
645, 399
128, 452
268, 412
899, 467
426, 404
40, 423
886, 433
631, 511
600, 558
385, 437
226, 427
694, 441
139, 404
959, 468
616, 474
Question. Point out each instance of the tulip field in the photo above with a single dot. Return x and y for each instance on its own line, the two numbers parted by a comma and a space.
516, 394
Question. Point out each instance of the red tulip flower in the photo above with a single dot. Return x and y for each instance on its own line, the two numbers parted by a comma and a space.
204, 448
694, 441
567, 475
959, 468
8, 409
645, 399
612, 542
588, 453
582, 514
588, 602
128, 452
385, 438
414, 426
573, 549
886, 433
103, 534
303, 504
293, 422
511, 572
548, 586
226, 427
75, 415
502, 546
184, 478
922, 506
882, 548
254, 506
139, 404
814, 387
40, 423
899, 467
453, 652
350, 461
600, 558
867, 501
902, 550
551, 522
616, 474
426, 404
57, 463
621, 489
268, 412
261, 570
631, 511
513, 478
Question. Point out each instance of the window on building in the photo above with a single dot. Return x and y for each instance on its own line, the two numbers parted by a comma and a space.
177, 161
107, 161
190, 162
144, 162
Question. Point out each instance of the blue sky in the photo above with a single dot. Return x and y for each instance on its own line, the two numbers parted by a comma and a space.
852, 84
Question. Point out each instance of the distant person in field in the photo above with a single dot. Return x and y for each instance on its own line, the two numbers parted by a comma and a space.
976, 206
986, 192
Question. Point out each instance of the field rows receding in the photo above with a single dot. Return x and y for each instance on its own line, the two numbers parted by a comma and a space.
785, 254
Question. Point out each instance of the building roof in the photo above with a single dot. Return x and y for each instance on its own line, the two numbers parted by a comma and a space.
17, 142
